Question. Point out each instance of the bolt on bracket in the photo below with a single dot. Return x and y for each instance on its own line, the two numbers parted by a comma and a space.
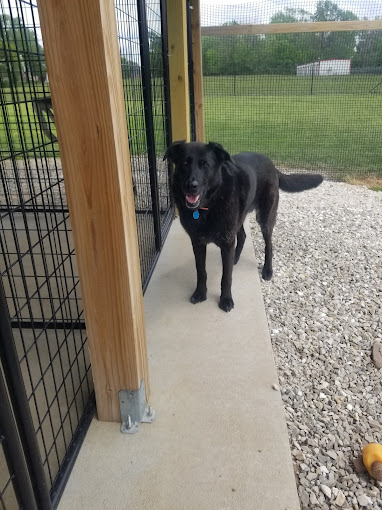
132, 404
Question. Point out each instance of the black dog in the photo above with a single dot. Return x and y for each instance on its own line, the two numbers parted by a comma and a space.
214, 193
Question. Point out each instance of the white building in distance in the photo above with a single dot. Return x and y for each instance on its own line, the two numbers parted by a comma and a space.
331, 67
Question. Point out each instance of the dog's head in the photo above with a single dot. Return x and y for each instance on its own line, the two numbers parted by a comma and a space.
198, 168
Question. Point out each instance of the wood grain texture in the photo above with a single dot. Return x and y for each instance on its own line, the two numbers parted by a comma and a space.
198, 69
286, 28
178, 70
82, 54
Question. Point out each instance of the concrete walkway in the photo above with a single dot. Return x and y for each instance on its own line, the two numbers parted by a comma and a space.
220, 438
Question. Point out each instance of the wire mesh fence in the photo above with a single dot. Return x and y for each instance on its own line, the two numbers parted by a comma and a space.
143, 47
37, 258
8, 496
309, 100
15, 481
7, 493
38, 265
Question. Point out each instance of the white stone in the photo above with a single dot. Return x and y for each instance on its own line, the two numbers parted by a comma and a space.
364, 500
332, 454
327, 491
340, 499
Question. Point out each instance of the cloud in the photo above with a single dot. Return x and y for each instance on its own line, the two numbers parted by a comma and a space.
217, 12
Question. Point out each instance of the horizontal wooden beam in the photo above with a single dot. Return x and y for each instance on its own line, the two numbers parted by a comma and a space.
291, 28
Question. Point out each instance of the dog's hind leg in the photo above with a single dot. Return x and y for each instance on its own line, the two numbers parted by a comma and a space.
267, 218
241, 236
200, 293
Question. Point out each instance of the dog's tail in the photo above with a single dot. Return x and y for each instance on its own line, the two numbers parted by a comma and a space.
293, 183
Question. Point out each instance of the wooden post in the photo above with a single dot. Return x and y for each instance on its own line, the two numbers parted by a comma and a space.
82, 55
178, 69
198, 69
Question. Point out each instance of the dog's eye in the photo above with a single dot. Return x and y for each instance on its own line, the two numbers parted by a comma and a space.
204, 164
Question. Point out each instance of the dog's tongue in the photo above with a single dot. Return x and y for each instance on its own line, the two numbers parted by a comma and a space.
192, 199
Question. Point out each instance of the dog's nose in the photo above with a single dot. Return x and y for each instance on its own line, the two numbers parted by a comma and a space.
193, 185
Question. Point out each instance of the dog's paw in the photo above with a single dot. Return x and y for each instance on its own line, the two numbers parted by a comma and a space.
226, 304
198, 296
236, 259
266, 273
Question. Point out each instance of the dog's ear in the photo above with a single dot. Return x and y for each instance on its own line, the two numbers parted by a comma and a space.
175, 151
220, 153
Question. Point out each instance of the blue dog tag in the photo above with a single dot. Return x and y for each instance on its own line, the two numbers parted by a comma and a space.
195, 215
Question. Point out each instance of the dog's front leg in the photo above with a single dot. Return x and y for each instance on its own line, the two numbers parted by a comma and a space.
200, 293
228, 253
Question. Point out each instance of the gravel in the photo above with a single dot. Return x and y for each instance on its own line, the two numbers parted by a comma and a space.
324, 307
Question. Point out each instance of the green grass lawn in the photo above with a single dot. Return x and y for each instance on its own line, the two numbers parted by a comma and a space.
20, 130
340, 134
280, 85
337, 129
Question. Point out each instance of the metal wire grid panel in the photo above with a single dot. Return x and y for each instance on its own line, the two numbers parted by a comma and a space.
15, 485
7, 477
143, 47
307, 100
38, 265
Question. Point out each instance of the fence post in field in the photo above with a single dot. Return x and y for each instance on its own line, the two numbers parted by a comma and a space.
82, 55
178, 69
311, 83
198, 69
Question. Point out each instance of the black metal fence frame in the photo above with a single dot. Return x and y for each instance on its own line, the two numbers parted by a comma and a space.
154, 217
34, 195
190, 72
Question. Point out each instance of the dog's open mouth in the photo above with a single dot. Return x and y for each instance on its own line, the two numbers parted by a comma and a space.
192, 201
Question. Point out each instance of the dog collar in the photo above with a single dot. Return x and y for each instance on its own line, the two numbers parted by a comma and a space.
196, 214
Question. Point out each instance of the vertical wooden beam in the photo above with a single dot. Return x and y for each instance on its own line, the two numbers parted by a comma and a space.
198, 69
178, 69
82, 55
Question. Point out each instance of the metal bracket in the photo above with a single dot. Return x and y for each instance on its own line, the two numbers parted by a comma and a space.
133, 409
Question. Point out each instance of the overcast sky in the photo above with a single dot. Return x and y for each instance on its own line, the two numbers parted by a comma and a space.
216, 12
260, 11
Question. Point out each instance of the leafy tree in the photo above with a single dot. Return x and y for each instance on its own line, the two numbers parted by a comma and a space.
314, 46
281, 53
130, 69
335, 44
10, 67
291, 16
285, 51
369, 50
156, 58
19, 47
11, 64
211, 55
329, 11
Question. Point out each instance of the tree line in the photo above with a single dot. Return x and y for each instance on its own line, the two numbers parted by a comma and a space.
281, 53
21, 56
